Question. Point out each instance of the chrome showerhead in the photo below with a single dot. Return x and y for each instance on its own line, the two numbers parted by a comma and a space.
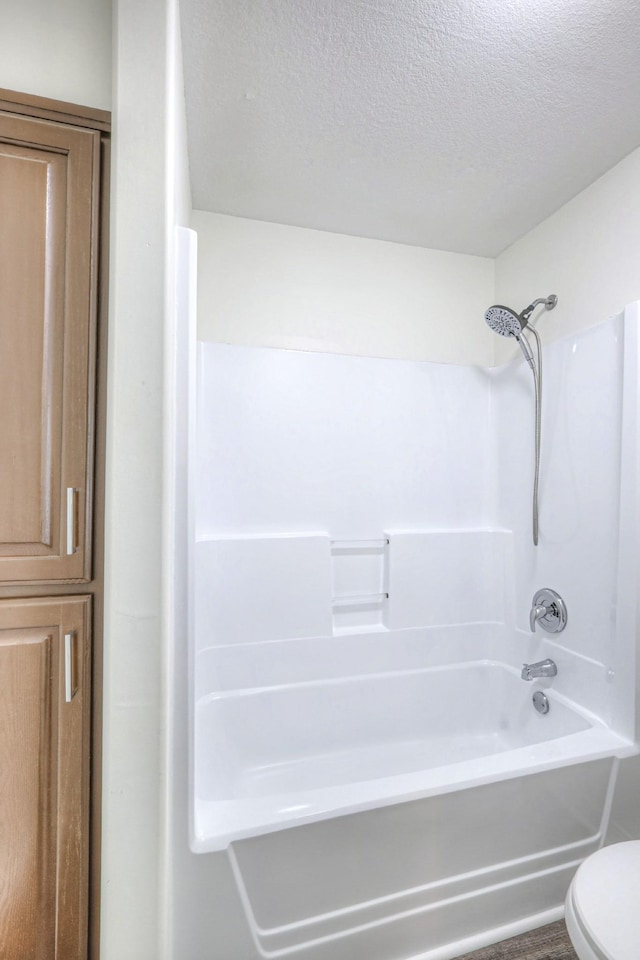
508, 323
504, 321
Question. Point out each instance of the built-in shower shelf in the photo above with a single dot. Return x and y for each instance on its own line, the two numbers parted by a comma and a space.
358, 581
358, 545
359, 599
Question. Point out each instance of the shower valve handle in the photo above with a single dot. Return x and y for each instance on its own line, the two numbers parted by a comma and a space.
537, 613
549, 610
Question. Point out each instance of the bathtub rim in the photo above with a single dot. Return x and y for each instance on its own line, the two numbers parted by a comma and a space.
214, 824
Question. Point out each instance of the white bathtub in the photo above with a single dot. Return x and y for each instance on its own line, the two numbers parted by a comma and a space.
375, 771
279, 756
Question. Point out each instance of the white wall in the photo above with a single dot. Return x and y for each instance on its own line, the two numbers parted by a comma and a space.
59, 49
176, 862
265, 284
588, 253
150, 195
133, 623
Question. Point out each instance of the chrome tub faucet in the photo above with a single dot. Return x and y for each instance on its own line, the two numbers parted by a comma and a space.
543, 668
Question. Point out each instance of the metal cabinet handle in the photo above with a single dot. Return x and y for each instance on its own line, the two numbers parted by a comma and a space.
72, 520
70, 685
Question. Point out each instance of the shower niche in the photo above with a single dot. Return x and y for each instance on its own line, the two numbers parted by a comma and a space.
359, 583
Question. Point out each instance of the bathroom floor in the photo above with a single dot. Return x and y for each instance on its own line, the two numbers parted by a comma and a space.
545, 943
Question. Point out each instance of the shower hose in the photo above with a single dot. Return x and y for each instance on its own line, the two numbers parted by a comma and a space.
537, 381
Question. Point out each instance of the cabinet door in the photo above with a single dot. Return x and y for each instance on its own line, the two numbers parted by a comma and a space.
49, 175
44, 778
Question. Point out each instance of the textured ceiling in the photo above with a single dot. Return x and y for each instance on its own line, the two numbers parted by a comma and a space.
453, 124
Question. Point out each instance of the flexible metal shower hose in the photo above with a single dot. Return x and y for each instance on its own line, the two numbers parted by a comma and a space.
537, 381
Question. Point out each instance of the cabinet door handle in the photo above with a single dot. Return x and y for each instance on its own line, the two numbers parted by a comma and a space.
70, 685
72, 520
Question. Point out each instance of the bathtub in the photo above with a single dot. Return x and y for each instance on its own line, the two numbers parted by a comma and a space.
364, 757
272, 757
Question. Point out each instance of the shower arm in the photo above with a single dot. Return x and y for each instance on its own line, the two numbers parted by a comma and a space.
549, 304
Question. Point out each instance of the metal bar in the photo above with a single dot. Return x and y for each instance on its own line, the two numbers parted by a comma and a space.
69, 680
359, 599
72, 520
360, 544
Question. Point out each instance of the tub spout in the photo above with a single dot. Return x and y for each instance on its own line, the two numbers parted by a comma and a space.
543, 668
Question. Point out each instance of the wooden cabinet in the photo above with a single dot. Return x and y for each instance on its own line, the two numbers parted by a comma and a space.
49, 194
44, 777
53, 203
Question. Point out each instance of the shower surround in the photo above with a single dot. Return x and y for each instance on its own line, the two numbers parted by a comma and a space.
362, 573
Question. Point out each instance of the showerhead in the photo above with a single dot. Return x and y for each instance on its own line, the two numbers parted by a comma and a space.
508, 323
504, 321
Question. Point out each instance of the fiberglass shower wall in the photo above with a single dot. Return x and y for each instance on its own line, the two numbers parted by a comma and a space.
587, 463
336, 495
322, 478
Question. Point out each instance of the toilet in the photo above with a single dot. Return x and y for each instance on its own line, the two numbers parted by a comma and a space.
603, 904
